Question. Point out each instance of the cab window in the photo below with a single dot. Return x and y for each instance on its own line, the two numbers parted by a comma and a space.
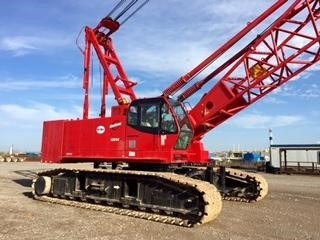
149, 115
152, 117
168, 124
133, 116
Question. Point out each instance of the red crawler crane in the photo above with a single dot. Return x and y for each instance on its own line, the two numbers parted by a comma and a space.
159, 134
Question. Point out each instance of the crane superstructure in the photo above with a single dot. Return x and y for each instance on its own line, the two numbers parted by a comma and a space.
169, 177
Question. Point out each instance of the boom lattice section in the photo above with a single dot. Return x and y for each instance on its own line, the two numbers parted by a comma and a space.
288, 47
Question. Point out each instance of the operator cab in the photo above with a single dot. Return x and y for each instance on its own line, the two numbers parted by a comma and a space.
161, 116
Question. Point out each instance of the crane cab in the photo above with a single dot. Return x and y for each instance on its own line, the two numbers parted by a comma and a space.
159, 116
157, 130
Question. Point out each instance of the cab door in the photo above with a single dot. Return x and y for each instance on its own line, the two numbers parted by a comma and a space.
143, 133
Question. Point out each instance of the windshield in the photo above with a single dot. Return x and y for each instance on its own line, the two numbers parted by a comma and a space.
186, 132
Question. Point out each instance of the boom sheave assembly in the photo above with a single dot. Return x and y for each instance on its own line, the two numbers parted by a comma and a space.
167, 175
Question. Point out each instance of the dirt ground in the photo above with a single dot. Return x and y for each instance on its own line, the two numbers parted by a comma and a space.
290, 211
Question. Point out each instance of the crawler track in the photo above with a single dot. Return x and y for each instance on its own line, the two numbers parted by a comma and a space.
240, 186
206, 206
244, 186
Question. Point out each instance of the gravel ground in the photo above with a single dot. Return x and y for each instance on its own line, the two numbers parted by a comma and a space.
290, 211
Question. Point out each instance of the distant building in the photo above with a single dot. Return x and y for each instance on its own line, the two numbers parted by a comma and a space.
295, 156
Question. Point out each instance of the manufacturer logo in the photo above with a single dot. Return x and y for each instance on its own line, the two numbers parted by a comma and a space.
100, 129
115, 125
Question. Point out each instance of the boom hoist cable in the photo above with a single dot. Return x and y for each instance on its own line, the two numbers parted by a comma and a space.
120, 14
129, 8
126, 9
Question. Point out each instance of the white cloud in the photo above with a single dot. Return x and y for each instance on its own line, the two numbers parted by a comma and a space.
233, 9
23, 45
21, 125
273, 100
151, 93
304, 91
266, 121
32, 115
174, 58
20, 46
68, 81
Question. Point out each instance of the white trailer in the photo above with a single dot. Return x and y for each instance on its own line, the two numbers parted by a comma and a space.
299, 157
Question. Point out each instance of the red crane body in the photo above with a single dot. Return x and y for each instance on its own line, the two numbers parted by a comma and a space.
160, 131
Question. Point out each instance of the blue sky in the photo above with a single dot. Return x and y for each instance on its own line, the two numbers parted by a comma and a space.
41, 67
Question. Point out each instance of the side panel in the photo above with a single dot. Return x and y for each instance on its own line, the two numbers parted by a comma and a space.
52, 141
303, 158
198, 154
83, 140
275, 157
